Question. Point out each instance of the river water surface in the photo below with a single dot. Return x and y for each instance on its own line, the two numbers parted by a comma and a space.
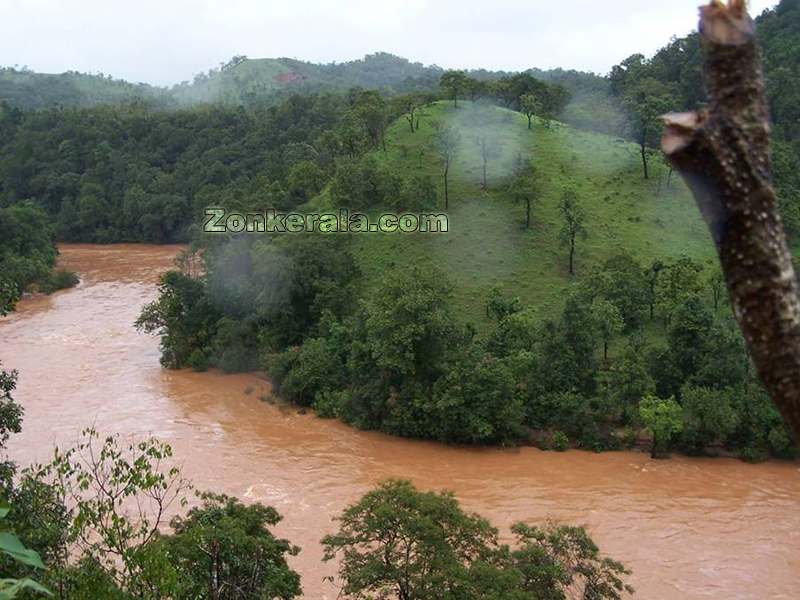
689, 528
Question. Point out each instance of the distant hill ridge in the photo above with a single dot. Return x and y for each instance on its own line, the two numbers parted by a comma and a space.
241, 80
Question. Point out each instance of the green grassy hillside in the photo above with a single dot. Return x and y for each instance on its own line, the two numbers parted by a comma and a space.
488, 245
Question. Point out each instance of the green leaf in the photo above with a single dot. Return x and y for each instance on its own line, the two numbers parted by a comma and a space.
9, 588
10, 544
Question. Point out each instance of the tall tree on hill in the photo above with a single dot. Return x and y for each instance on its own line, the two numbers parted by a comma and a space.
447, 140
573, 227
412, 105
454, 83
371, 109
645, 101
530, 105
524, 189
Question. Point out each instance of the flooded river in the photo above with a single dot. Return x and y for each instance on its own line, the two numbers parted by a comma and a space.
689, 528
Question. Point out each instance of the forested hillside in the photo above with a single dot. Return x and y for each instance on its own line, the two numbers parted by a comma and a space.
25, 89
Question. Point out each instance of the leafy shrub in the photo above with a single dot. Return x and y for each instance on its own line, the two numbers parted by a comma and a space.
560, 441
57, 280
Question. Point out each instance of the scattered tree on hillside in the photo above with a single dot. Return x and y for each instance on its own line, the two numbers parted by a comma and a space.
524, 189
489, 148
572, 228
447, 140
412, 107
676, 282
644, 102
651, 275
370, 107
609, 321
530, 105
715, 281
454, 83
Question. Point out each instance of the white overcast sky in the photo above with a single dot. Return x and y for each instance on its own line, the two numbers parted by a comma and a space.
167, 41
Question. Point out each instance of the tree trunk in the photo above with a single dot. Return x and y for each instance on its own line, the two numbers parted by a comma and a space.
484, 174
572, 256
529, 122
527, 213
214, 583
644, 159
446, 195
605, 350
723, 154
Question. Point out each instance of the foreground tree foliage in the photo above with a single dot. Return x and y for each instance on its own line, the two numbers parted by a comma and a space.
397, 542
96, 515
224, 550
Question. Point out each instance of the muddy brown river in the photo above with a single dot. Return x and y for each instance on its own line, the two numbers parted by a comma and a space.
689, 528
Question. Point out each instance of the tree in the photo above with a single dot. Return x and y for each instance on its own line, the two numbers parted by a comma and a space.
644, 102
119, 496
675, 283
454, 83
370, 108
715, 281
663, 419
489, 148
418, 194
524, 190
530, 105
628, 379
224, 550
9, 295
399, 542
651, 276
476, 402
572, 228
609, 321
408, 324
447, 140
412, 104
724, 155
709, 417
556, 558
621, 281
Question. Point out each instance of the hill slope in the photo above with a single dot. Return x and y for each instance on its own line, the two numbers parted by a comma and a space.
488, 246
30, 91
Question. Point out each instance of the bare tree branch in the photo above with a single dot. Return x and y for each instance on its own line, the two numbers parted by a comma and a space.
723, 154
